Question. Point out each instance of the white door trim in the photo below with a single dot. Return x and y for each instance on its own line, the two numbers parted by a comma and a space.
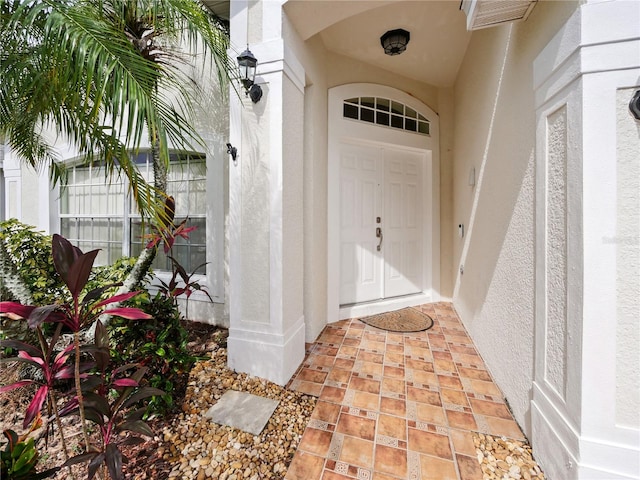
346, 130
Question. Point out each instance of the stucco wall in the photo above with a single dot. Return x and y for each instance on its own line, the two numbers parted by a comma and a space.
311, 55
495, 135
627, 240
292, 208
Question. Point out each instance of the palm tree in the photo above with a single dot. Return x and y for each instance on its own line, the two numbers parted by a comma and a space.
108, 75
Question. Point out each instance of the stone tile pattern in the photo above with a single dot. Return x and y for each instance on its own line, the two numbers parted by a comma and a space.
397, 405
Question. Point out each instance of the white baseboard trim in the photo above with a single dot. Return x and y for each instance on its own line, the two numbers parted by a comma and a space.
386, 305
604, 460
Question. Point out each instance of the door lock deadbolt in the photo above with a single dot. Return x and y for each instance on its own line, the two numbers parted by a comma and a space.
379, 235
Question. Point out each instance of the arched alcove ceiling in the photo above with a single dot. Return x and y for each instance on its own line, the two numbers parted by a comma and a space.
438, 42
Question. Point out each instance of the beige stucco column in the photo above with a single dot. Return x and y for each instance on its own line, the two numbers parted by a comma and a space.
586, 402
266, 335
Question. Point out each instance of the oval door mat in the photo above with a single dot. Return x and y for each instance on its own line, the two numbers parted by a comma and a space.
404, 320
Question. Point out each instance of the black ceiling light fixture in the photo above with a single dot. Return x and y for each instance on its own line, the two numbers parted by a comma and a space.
395, 42
248, 64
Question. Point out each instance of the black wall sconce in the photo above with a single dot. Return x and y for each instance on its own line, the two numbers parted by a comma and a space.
248, 63
233, 151
395, 42
634, 105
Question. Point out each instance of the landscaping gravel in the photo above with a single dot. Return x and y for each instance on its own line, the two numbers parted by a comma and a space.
200, 449
505, 459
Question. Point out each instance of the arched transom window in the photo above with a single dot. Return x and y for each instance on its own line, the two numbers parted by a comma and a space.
385, 112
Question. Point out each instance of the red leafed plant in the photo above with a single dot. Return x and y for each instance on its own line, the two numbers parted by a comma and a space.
108, 396
74, 267
167, 234
52, 370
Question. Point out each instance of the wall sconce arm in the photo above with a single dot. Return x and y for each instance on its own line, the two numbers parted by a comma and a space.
233, 151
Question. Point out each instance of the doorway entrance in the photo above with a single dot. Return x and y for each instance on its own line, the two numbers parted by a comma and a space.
383, 201
381, 231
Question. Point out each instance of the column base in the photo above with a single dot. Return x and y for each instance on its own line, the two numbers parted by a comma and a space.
555, 443
570, 456
275, 357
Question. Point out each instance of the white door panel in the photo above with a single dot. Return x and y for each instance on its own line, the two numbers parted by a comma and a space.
403, 227
385, 183
360, 198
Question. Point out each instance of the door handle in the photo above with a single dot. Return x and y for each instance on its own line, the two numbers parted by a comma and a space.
379, 235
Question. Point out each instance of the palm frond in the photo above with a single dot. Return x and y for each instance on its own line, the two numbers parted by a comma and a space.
104, 74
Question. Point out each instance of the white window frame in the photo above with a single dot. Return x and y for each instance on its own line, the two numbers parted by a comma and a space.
132, 216
213, 281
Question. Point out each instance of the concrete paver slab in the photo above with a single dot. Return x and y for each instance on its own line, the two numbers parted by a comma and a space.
242, 410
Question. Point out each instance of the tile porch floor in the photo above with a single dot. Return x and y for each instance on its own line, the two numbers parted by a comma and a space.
397, 405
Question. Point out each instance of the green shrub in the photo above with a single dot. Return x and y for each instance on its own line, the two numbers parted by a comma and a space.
30, 251
159, 344
27, 252
111, 274
19, 458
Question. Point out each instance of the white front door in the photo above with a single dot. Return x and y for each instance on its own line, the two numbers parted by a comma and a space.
381, 232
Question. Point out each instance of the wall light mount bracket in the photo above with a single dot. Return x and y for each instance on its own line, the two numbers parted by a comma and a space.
634, 105
233, 151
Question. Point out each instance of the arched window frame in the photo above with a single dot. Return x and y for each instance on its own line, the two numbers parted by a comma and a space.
386, 113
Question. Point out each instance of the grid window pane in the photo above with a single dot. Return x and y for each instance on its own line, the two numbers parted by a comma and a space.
181, 254
198, 195
67, 227
382, 104
180, 193
197, 259
116, 199
83, 198
66, 200
382, 118
385, 112
368, 102
93, 209
350, 111
366, 115
85, 230
103, 254
101, 229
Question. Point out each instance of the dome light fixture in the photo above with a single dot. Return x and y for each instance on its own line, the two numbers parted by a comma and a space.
395, 42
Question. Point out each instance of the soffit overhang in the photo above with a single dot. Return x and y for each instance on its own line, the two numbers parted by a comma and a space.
439, 36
